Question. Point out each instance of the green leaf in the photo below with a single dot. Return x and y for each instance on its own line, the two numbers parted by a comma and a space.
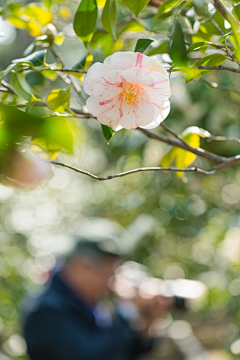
20, 86
163, 48
107, 132
109, 17
58, 100
7, 71
142, 45
45, 149
165, 8
236, 11
201, 45
83, 64
178, 52
210, 60
136, 6
58, 132
35, 59
85, 19
224, 37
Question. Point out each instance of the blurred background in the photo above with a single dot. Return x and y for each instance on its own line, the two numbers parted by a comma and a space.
179, 229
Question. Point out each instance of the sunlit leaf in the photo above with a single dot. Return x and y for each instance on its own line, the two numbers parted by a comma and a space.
44, 149
58, 100
36, 12
107, 132
136, 6
210, 60
85, 19
165, 8
59, 39
185, 158
142, 45
20, 85
7, 71
58, 132
169, 157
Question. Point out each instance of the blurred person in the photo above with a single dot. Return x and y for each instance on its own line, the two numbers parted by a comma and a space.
68, 322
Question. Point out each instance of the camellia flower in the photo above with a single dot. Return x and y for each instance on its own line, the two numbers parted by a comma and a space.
128, 90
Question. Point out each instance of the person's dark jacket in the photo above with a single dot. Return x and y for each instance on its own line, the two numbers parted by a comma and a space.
62, 327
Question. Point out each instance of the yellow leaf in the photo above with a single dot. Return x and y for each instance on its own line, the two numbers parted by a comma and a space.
59, 39
168, 157
185, 158
45, 150
37, 13
58, 100
17, 22
33, 28
101, 2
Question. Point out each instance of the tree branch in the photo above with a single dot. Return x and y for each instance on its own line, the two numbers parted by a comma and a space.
226, 14
54, 69
219, 67
109, 177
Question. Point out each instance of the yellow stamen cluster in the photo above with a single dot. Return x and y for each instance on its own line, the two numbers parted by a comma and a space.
130, 94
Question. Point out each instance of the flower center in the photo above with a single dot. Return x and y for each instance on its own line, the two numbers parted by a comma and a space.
129, 93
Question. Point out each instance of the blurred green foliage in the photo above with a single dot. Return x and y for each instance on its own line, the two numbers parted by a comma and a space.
178, 229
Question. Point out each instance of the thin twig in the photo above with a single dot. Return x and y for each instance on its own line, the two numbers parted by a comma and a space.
165, 127
109, 177
219, 67
54, 69
220, 87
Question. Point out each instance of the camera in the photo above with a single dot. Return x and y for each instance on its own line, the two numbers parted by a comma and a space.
132, 277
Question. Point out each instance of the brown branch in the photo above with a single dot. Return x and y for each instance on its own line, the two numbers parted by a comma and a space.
175, 142
109, 177
220, 87
52, 69
226, 14
219, 67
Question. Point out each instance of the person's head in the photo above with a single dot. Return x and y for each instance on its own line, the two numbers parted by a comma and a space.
88, 268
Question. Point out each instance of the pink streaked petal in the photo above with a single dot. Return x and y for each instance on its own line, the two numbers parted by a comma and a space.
160, 116
114, 112
123, 60
158, 95
136, 76
105, 120
89, 85
93, 76
111, 78
139, 61
140, 114
93, 106
104, 92
160, 81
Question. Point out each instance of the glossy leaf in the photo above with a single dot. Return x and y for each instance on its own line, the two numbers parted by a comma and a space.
85, 19
107, 132
109, 17
142, 45
58, 100
58, 132
165, 8
83, 64
178, 52
35, 59
210, 60
44, 149
59, 39
136, 6
20, 86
